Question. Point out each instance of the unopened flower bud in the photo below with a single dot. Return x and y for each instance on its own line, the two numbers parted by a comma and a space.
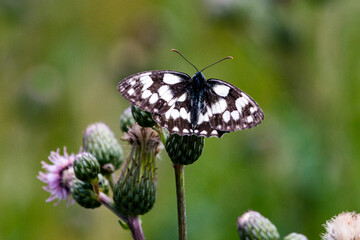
252, 225
295, 236
135, 191
143, 118
84, 195
184, 150
126, 120
100, 141
86, 167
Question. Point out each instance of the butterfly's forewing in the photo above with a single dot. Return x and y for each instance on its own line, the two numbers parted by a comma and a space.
155, 91
229, 108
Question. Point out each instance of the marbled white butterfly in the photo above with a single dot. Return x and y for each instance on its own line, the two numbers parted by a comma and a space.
191, 105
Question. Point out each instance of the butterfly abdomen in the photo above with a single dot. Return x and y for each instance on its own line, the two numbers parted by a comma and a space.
197, 90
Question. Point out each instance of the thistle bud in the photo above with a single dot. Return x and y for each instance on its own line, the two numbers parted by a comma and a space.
100, 141
184, 150
252, 225
295, 236
135, 191
126, 120
84, 195
143, 118
86, 167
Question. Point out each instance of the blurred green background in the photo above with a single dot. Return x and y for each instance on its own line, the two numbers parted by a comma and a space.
60, 62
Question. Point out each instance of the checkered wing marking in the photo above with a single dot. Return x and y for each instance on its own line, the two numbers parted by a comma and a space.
155, 91
229, 108
177, 120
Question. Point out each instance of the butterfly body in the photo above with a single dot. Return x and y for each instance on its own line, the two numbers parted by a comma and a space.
196, 92
191, 105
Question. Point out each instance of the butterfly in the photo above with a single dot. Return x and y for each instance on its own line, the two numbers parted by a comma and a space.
191, 105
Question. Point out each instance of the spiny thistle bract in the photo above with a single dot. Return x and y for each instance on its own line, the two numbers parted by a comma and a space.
295, 236
86, 167
135, 191
84, 195
143, 118
126, 120
253, 226
184, 150
100, 141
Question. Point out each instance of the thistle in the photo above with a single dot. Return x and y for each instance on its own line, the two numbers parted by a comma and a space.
86, 167
135, 191
184, 150
252, 225
100, 141
295, 236
143, 118
126, 120
343, 227
58, 176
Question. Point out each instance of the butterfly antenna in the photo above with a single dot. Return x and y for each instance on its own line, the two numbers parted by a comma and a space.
174, 50
229, 57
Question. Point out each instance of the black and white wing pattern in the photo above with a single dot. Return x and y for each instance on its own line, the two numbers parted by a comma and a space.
177, 120
155, 91
167, 95
230, 109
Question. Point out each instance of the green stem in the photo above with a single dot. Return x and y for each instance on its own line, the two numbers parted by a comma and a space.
159, 130
107, 202
110, 178
180, 195
135, 227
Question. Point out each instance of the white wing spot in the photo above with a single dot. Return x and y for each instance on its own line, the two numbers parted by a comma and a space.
145, 94
214, 132
154, 98
203, 132
250, 119
196, 131
132, 82
182, 98
165, 93
235, 115
171, 79
219, 107
185, 130
239, 104
175, 129
183, 113
146, 81
175, 114
226, 116
131, 92
221, 90
252, 109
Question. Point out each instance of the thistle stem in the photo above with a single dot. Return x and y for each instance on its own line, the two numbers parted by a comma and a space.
107, 202
180, 195
159, 130
110, 178
135, 227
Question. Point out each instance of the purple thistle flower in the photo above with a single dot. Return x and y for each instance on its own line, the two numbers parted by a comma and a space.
58, 176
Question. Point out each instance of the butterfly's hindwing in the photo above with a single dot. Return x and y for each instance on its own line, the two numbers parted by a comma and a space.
229, 108
177, 120
155, 91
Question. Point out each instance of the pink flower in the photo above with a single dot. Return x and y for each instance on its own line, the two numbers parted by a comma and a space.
58, 176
